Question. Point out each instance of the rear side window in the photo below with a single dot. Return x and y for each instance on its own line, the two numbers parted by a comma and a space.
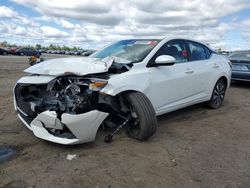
197, 51
208, 52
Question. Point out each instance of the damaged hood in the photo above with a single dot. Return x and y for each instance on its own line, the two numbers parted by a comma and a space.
78, 66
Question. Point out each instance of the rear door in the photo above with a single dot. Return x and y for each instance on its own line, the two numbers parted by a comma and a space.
200, 66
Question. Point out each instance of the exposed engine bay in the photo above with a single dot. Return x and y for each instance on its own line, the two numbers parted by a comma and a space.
66, 94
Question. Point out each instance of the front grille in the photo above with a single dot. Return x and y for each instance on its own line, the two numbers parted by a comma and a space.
27, 119
23, 106
19, 96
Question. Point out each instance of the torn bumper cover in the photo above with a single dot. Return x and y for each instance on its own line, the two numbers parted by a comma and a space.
83, 126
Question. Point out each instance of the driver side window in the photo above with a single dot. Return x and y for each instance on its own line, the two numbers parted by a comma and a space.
175, 48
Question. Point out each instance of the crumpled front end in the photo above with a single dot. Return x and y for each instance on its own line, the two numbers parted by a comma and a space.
63, 110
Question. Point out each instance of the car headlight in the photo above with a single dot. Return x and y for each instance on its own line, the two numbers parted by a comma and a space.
97, 85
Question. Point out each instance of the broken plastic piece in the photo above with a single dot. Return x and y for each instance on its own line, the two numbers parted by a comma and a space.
70, 157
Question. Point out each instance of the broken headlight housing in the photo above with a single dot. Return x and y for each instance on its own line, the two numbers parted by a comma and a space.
97, 85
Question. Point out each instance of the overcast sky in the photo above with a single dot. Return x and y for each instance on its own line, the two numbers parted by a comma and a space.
93, 23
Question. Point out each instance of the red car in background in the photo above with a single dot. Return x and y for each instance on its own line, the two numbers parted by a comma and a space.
13, 50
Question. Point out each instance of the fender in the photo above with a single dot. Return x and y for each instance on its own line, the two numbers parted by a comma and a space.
109, 90
135, 80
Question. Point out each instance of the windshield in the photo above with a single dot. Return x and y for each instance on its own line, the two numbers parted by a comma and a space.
244, 56
131, 50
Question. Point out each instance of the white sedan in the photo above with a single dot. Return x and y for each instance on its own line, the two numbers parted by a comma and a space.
124, 85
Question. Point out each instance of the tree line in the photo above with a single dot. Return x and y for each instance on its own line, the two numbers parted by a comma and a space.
5, 44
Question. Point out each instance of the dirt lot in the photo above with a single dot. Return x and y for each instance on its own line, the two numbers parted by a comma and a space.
193, 147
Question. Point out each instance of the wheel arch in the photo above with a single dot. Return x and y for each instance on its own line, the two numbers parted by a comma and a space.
211, 103
122, 93
224, 78
127, 92
125, 88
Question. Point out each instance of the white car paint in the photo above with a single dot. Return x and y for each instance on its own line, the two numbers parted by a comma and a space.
193, 87
167, 87
83, 126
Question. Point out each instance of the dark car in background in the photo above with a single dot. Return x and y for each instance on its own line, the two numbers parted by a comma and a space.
3, 51
28, 52
240, 65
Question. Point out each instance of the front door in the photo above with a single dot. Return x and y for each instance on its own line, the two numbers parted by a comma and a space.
175, 85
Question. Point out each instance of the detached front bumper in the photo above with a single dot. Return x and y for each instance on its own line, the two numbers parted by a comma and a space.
83, 126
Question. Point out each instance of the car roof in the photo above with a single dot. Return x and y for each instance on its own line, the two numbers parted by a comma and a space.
189, 39
170, 38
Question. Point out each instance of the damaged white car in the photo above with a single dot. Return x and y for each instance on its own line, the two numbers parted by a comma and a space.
125, 85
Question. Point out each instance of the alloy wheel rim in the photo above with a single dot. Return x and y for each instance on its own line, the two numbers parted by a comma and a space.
219, 93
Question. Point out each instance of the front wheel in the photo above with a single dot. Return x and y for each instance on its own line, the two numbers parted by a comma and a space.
144, 121
218, 94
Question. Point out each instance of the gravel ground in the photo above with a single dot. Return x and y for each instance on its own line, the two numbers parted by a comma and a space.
193, 147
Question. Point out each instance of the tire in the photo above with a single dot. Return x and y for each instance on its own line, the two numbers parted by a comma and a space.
145, 116
218, 94
4, 53
21, 54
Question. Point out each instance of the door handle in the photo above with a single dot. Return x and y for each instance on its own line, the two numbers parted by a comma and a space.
216, 66
189, 71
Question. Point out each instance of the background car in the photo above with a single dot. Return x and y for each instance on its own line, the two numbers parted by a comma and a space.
28, 52
13, 50
88, 53
240, 65
3, 51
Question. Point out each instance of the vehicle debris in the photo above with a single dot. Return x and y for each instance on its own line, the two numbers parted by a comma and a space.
71, 157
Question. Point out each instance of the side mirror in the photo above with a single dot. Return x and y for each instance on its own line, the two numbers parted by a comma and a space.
165, 60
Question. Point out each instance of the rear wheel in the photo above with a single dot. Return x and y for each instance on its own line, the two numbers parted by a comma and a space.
218, 94
144, 121
4, 53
